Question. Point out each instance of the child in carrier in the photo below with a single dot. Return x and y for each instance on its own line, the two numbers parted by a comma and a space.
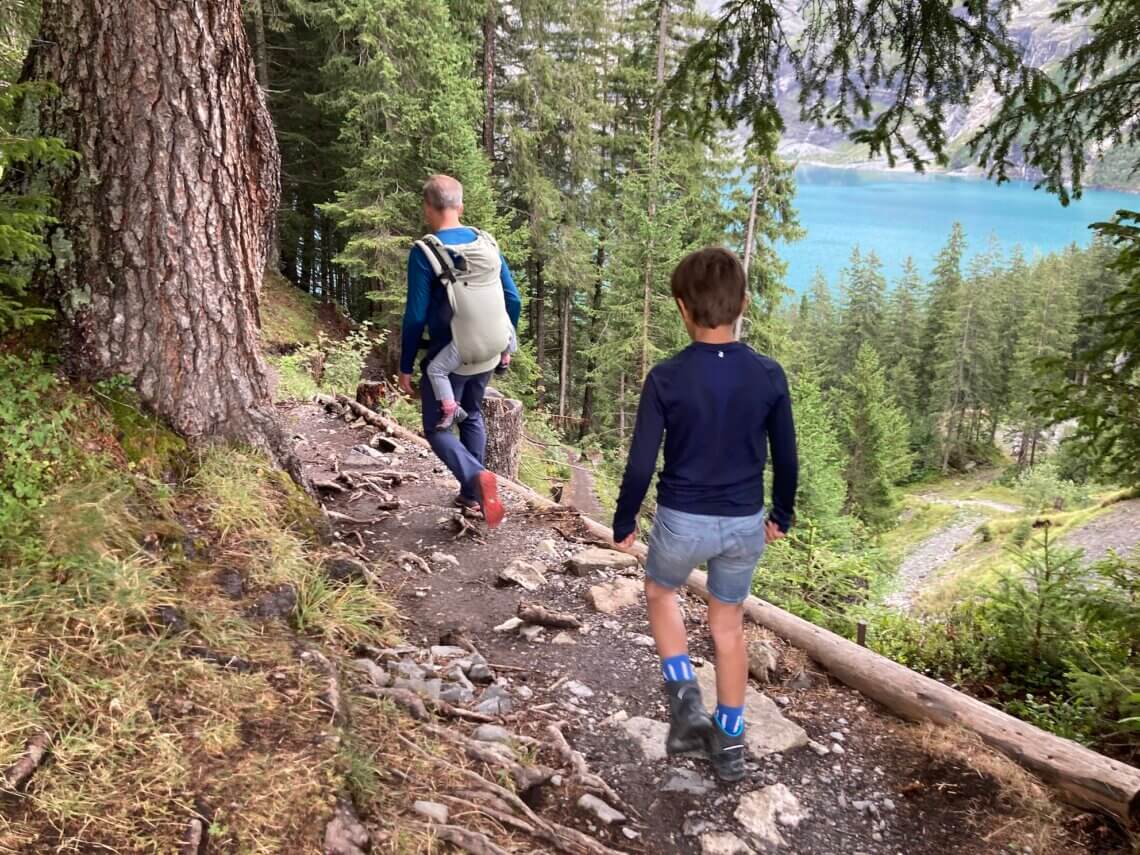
446, 362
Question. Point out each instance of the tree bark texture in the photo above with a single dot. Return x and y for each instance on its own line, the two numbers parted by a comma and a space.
166, 219
504, 423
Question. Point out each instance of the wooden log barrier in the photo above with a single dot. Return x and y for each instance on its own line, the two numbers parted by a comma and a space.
1082, 776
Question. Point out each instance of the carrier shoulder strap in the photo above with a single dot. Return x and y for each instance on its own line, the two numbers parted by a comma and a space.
441, 264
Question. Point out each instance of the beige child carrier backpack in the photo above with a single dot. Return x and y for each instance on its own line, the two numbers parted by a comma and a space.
480, 326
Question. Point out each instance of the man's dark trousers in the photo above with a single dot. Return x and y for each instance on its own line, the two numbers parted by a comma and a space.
462, 454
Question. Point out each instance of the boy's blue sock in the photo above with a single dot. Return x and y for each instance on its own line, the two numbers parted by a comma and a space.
677, 668
730, 719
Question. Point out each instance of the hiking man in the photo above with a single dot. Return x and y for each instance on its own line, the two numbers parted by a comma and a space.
460, 288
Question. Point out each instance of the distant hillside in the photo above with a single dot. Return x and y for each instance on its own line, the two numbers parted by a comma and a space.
1046, 44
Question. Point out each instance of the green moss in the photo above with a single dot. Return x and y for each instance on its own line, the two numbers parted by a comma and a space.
151, 448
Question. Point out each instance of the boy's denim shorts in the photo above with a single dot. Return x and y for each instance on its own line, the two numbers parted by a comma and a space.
730, 546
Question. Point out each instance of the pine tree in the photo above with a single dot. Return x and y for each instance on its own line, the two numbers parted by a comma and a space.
875, 434
902, 346
822, 496
864, 301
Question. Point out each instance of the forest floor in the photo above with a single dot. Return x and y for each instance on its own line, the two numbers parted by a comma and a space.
831, 772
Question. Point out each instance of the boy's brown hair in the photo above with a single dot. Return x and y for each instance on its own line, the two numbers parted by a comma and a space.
710, 282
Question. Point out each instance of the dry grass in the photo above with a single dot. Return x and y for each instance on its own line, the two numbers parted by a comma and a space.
144, 737
1033, 820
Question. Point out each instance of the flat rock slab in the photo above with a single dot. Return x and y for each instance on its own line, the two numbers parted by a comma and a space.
766, 731
649, 734
763, 812
688, 781
596, 558
611, 597
524, 574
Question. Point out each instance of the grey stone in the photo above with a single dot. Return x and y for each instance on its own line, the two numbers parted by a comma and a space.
694, 826
427, 688
408, 669
524, 574
444, 558
446, 651
837, 736
563, 638
629, 833
579, 690
836, 748
457, 695
649, 735
888, 804
600, 809
595, 558
345, 834
480, 672
531, 632
376, 675
547, 548
801, 680
819, 749
342, 569
611, 597
524, 692
766, 731
723, 843
644, 641
509, 624
492, 733
763, 811
456, 675
687, 781
432, 811
495, 701
763, 662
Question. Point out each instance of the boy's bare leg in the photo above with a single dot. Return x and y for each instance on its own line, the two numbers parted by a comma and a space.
665, 621
726, 622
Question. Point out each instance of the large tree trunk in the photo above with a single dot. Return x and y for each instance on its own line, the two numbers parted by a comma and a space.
591, 360
256, 11
167, 213
647, 289
566, 311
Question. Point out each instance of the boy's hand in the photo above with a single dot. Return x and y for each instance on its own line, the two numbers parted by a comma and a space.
627, 544
406, 385
772, 532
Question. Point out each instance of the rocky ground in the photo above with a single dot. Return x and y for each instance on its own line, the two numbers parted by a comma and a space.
1118, 529
532, 636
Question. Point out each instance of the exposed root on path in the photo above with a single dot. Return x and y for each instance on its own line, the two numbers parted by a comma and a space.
16, 775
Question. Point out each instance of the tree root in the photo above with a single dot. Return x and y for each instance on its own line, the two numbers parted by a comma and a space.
581, 771
337, 516
562, 838
195, 837
16, 775
417, 707
331, 697
473, 842
535, 613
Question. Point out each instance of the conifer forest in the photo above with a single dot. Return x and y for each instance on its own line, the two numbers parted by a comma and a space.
231, 621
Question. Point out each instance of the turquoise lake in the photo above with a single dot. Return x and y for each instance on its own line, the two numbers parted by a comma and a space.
897, 214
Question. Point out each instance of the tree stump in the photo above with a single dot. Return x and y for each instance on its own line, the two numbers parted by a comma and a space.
504, 421
370, 393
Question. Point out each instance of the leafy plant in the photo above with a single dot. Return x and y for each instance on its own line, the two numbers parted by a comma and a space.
25, 214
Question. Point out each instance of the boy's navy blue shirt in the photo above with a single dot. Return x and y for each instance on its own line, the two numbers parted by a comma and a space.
718, 406
427, 303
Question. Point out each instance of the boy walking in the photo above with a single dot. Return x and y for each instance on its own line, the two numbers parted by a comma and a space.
718, 405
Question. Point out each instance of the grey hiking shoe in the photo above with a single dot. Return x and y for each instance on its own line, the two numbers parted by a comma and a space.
446, 421
727, 753
690, 728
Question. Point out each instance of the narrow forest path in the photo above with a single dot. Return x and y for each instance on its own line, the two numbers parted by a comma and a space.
830, 771
922, 563
582, 494
1000, 507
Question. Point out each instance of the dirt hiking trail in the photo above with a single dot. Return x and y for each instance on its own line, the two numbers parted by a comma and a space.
830, 772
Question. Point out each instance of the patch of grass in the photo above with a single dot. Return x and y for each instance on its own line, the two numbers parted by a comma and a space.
289, 316
919, 521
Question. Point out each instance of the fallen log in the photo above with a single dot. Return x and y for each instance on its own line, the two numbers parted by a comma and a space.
1079, 774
